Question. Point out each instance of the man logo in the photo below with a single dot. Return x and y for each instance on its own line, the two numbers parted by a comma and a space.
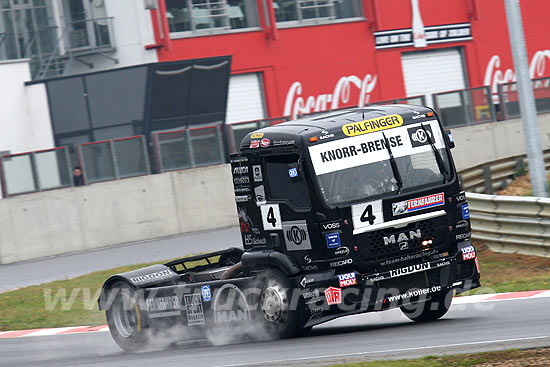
230, 305
402, 237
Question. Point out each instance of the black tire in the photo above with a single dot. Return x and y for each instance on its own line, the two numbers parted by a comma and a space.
275, 305
429, 310
125, 318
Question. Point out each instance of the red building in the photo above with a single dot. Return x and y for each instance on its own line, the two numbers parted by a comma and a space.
299, 56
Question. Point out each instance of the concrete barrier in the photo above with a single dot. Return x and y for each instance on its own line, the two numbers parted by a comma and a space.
115, 212
478, 144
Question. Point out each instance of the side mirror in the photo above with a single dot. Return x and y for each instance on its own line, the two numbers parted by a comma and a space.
295, 173
450, 139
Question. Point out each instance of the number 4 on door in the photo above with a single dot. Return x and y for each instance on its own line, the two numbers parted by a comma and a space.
271, 217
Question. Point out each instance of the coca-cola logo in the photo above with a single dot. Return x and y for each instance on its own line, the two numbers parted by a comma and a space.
296, 104
495, 74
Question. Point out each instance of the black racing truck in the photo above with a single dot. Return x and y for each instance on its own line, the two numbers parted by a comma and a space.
342, 213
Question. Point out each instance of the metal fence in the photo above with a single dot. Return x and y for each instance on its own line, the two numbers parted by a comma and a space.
90, 34
508, 96
49, 169
114, 159
465, 106
189, 148
35, 171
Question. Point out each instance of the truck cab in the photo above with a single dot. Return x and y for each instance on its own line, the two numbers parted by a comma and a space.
370, 195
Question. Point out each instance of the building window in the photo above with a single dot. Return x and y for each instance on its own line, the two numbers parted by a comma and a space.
27, 29
87, 25
211, 15
308, 10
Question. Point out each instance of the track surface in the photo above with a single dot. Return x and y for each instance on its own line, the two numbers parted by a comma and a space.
466, 328
68, 266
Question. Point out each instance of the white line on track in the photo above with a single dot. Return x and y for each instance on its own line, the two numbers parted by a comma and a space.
385, 351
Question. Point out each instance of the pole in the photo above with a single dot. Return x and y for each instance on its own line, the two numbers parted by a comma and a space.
526, 99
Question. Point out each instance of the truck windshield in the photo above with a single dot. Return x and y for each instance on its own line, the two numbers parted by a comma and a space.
353, 169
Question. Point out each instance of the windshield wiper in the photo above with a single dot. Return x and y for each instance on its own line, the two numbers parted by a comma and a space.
437, 155
393, 164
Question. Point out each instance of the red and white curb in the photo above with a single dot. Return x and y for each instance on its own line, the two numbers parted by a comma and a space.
52, 331
494, 297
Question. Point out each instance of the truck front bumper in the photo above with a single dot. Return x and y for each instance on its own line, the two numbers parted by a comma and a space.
326, 297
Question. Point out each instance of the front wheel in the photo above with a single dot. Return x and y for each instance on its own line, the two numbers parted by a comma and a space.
429, 310
276, 313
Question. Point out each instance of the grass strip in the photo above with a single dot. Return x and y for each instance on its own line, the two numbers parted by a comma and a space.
538, 357
27, 308
511, 272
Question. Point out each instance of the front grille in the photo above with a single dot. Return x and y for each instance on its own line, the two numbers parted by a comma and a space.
373, 248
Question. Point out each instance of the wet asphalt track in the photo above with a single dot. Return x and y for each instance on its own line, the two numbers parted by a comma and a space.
69, 266
466, 328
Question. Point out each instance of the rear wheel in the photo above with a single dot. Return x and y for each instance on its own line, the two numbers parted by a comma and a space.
125, 318
275, 305
429, 310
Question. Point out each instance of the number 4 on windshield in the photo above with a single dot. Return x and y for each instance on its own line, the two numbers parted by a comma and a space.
367, 214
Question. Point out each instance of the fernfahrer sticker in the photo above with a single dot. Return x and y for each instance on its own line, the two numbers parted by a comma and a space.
416, 204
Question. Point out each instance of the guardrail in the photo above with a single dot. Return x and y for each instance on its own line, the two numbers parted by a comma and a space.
489, 177
511, 224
